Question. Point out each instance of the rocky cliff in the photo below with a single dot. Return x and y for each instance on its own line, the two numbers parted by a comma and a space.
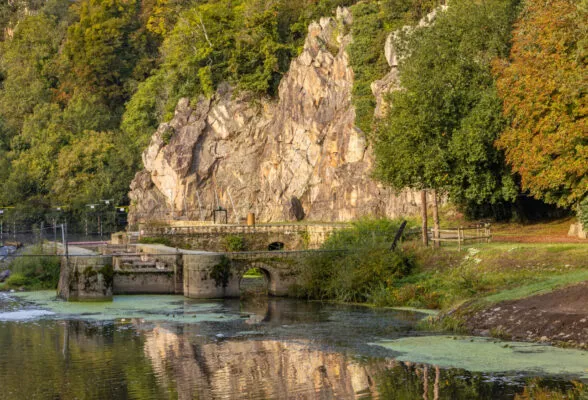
298, 157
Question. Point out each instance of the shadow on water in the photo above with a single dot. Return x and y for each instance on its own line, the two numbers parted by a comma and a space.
272, 349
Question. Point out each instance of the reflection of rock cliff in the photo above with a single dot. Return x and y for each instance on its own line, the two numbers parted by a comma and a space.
301, 156
254, 369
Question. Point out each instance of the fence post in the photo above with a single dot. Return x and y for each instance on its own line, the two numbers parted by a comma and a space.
459, 234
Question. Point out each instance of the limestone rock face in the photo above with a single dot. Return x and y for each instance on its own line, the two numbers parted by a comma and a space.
391, 81
298, 156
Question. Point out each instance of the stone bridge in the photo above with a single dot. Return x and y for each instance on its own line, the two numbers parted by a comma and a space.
158, 269
213, 237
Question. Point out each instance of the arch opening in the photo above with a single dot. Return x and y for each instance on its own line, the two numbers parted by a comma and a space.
254, 282
275, 246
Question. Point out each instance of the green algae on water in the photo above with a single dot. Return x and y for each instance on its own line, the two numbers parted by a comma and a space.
488, 355
146, 307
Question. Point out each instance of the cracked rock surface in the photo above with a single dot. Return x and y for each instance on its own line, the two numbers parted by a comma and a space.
298, 155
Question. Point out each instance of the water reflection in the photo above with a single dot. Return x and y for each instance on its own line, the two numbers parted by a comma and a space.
277, 350
259, 369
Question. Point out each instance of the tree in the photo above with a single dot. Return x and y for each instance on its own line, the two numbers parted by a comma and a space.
102, 50
440, 131
543, 85
25, 63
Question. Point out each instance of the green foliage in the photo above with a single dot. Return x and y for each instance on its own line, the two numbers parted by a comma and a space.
221, 272
26, 68
156, 240
372, 22
361, 267
102, 49
583, 213
17, 281
234, 243
253, 273
441, 130
366, 55
35, 272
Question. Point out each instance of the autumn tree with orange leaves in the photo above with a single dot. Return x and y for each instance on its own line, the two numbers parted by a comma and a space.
543, 85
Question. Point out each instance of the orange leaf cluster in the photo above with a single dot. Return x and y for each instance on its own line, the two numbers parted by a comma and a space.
543, 86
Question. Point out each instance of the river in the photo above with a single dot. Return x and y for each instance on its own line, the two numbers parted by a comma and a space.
169, 347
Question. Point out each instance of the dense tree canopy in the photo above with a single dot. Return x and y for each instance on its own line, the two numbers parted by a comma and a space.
441, 128
84, 83
544, 83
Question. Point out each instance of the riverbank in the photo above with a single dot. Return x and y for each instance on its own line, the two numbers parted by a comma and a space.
560, 317
514, 291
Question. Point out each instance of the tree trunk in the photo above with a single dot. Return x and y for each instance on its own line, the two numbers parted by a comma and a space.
436, 227
424, 216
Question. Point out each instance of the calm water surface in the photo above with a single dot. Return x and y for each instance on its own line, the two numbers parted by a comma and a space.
167, 347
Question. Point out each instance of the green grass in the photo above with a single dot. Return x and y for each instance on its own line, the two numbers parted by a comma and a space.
253, 273
493, 271
541, 287
34, 272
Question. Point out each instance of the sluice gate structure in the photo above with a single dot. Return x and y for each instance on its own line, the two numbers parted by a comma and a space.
123, 267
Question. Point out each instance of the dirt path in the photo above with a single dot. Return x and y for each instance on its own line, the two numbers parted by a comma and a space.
559, 316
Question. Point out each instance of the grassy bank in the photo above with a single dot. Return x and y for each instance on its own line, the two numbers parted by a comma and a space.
494, 271
414, 276
32, 270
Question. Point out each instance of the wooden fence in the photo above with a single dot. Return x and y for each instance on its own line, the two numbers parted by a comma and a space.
461, 235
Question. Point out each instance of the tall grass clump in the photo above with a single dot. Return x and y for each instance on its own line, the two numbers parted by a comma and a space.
34, 272
360, 264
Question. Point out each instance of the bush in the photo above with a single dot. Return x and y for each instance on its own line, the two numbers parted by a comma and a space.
35, 272
17, 280
363, 268
583, 213
364, 233
234, 243
157, 240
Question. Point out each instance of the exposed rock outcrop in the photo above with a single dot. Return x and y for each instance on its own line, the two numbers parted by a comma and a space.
391, 81
299, 156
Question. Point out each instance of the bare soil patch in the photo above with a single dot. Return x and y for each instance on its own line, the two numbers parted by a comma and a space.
560, 316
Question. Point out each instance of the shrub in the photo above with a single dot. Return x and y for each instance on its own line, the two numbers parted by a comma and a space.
157, 240
39, 272
234, 243
583, 213
17, 280
363, 268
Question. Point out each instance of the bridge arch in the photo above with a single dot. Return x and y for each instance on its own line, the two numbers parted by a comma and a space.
249, 285
276, 246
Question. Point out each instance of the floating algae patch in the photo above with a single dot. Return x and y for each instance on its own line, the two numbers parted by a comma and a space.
146, 307
489, 355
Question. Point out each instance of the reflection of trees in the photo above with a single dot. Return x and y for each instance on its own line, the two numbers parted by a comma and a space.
68, 360
544, 389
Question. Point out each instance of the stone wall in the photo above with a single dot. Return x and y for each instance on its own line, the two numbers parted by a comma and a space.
195, 274
85, 276
146, 282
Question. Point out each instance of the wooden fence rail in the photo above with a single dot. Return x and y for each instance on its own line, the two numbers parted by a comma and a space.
462, 235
